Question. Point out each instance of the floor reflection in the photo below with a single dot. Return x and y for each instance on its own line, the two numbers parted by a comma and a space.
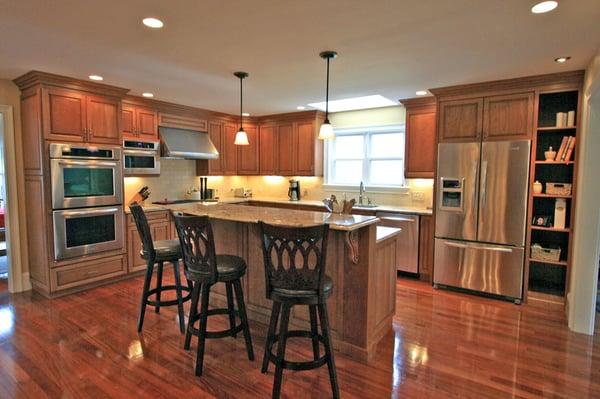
7, 320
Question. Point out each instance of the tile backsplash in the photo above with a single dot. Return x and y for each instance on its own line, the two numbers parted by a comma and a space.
178, 176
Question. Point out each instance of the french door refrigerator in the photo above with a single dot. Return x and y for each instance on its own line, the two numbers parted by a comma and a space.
480, 216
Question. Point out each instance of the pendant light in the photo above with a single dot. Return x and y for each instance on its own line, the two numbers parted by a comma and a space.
241, 138
326, 131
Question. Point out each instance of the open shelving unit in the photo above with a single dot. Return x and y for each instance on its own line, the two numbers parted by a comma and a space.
546, 280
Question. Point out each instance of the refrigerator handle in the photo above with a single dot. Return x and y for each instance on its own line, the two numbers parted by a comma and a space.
482, 247
484, 165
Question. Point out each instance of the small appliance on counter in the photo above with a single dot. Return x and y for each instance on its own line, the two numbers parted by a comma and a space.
242, 192
294, 190
203, 193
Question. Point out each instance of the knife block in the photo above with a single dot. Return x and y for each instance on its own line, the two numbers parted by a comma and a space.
137, 198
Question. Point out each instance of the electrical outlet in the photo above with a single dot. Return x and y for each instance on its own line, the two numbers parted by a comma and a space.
418, 196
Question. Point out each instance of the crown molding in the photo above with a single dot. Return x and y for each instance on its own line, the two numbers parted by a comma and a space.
34, 78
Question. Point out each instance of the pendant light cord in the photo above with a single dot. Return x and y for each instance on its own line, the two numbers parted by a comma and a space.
241, 103
327, 93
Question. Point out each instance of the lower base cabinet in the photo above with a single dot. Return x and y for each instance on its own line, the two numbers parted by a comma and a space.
160, 227
426, 248
88, 272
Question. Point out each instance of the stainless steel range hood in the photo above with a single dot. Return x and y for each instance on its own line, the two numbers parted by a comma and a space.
186, 144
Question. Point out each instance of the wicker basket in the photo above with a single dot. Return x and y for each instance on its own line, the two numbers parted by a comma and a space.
545, 254
558, 188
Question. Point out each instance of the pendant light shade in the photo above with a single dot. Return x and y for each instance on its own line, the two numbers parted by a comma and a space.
326, 130
241, 138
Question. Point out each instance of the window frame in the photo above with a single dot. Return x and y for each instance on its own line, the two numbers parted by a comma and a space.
367, 132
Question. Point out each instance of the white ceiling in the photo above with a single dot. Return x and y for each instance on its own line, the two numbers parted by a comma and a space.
389, 47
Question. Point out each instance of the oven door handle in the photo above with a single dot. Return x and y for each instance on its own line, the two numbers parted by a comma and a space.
148, 153
90, 163
94, 212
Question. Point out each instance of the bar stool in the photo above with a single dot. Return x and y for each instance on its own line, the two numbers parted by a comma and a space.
158, 252
204, 268
295, 275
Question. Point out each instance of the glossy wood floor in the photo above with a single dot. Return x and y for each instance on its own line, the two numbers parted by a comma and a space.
444, 345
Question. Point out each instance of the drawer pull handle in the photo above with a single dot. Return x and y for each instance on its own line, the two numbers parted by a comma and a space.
91, 272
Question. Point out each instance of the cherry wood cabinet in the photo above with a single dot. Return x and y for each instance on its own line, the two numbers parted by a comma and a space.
305, 150
420, 146
230, 150
248, 155
286, 147
139, 123
460, 120
508, 117
182, 121
267, 143
74, 116
160, 227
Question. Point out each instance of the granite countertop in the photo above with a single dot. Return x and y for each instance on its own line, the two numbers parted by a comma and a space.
379, 208
286, 217
384, 233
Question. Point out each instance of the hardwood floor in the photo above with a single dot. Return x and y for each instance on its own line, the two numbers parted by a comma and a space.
444, 345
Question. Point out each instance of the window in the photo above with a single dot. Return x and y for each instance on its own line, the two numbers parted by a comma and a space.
373, 155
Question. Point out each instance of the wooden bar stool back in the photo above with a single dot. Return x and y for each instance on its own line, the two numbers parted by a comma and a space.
205, 268
158, 252
295, 260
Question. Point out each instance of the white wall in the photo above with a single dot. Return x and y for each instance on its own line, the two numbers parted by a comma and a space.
586, 243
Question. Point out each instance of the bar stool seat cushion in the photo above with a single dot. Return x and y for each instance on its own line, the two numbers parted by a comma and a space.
165, 250
229, 268
303, 294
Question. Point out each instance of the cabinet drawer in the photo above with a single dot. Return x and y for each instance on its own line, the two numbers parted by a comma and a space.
151, 216
88, 272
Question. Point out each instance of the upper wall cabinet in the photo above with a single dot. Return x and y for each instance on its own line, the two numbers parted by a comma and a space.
267, 142
508, 117
419, 158
461, 120
71, 115
139, 123
500, 117
248, 155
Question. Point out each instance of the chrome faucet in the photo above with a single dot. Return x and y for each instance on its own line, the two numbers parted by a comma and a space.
361, 193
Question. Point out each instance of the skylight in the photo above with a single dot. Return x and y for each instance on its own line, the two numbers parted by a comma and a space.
350, 104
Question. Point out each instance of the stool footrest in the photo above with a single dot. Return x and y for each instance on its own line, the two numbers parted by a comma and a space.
217, 334
307, 365
171, 302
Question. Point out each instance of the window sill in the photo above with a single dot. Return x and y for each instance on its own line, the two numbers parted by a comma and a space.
368, 189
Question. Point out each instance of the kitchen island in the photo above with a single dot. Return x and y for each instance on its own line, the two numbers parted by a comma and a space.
361, 264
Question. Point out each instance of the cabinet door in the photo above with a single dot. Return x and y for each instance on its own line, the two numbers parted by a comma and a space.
128, 119
103, 120
134, 246
305, 151
248, 154
286, 149
160, 231
461, 120
64, 115
419, 159
147, 123
508, 117
215, 132
230, 153
267, 155
426, 248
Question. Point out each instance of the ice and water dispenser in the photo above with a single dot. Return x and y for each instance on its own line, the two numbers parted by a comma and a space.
452, 194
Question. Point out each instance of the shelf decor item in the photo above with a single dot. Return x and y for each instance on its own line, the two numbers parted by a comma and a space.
542, 220
558, 188
537, 187
561, 119
560, 213
550, 155
571, 118
545, 254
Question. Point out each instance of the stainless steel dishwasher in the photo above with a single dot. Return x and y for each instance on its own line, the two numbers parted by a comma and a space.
408, 239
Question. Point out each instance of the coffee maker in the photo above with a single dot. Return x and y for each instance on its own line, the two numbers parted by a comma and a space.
294, 190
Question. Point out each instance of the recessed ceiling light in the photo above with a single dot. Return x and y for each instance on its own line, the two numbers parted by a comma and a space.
300, 107
562, 60
544, 6
96, 77
154, 23
349, 104
149, 95
421, 92
245, 114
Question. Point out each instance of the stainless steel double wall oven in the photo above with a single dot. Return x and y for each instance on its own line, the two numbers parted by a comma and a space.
87, 199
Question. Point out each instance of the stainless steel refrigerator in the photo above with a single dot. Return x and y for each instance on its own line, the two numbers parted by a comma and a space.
481, 213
